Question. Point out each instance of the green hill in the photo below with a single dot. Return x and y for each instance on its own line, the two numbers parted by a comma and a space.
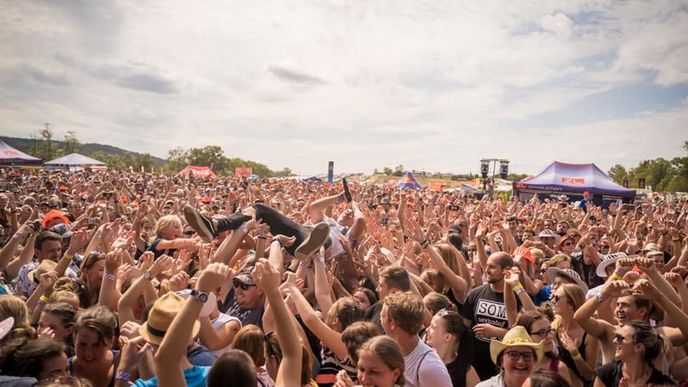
30, 146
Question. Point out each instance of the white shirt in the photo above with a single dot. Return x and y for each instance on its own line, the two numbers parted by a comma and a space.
424, 367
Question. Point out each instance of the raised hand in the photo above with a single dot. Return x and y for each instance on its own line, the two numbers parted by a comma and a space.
212, 277
615, 288
266, 277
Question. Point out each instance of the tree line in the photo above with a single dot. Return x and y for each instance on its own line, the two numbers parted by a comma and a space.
46, 147
661, 174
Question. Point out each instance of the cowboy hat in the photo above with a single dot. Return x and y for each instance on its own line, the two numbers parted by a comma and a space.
515, 337
607, 260
160, 318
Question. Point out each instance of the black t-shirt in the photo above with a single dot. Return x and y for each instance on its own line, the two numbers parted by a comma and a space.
457, 372
246, 316
154, 248
610, 374
485, 306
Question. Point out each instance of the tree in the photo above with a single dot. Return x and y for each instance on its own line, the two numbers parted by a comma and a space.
387, 171
618, 173
399, 170
71, 143
46, 149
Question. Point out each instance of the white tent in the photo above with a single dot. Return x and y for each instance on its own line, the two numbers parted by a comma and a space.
75, 161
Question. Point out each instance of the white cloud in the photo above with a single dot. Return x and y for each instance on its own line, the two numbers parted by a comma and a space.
426, 84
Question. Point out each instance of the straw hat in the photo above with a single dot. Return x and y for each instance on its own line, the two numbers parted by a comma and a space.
569, 273
45, 266
515, 337
160, 318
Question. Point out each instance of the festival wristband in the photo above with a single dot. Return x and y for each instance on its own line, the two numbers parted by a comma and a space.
68, 257
424, 244
600, 298
577, 356
243, 228
109, 277
122, 375
18, 237
44, 299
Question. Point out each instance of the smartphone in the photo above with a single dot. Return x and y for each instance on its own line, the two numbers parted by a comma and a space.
36, 225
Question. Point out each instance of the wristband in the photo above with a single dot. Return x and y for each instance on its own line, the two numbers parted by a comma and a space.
243, 228
600, 298
520, 290
263, 237
18, 237
616, 276
424, 244
109, 277
304, 265
122, 375
44, 299
577, 356
68, 257
319, 260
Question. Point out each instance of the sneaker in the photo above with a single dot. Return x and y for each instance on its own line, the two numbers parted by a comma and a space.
347, 193
313, 242
202, 225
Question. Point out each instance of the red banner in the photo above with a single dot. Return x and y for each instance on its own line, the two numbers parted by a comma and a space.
243, 172
573, 180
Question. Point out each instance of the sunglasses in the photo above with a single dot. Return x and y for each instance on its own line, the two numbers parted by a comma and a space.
618, 339
556, 298
515, 355
241, 285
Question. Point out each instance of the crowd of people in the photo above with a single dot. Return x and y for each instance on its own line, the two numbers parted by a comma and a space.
121, 278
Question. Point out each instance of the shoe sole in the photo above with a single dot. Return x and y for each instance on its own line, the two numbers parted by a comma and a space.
194, 219
314, 242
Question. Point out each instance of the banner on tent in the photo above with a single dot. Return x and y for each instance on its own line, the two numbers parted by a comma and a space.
573, 180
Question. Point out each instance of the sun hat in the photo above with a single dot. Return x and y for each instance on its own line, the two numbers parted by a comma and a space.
607, 260
547, 233
650, 246
564, 239
160, 318
45, 266
515, 337
569, 273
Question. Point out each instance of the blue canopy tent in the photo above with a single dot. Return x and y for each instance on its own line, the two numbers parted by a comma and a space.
408, 181
573, 180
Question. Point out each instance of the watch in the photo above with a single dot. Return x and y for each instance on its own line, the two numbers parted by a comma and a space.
202, 297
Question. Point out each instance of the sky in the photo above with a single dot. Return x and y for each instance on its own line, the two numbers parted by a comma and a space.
430, 85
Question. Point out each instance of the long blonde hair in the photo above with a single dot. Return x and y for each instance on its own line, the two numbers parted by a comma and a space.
575, 295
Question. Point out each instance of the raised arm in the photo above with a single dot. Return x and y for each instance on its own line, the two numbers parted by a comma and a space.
268, 279
174, 344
